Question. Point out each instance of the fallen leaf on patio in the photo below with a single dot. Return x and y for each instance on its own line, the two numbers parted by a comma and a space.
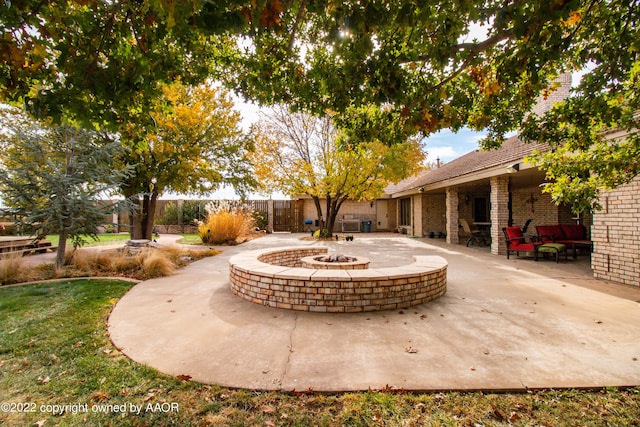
486, 352
410, 349
473, 368
598, 321
424, 316
635, 359
184, 377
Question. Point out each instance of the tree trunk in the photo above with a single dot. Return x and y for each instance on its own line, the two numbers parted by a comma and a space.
316, 202
141, 220
333, 206
149, 214
62, 247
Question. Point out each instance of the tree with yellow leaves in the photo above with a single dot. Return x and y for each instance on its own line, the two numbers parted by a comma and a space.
300, 154
195, 145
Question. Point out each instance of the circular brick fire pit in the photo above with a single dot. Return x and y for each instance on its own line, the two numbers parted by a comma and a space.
277, 278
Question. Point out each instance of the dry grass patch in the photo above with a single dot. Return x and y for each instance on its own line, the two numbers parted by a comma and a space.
226, 224
156, 264
149, 263
11, 269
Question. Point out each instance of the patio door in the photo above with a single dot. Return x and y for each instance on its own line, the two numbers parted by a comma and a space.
382, 214
480, 209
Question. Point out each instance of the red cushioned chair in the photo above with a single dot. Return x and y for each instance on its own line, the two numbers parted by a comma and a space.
516, 242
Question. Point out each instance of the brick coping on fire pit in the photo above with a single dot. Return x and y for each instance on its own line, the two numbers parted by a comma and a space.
274, 278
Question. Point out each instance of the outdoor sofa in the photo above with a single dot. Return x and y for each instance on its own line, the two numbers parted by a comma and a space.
574, 236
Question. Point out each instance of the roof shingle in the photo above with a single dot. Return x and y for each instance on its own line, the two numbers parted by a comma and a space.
512, 150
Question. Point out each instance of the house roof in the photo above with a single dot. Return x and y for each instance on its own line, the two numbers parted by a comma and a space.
512, 150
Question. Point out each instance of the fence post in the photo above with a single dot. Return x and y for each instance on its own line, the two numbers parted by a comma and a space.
270, 211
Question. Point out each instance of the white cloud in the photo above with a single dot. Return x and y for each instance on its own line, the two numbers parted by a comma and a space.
448, 146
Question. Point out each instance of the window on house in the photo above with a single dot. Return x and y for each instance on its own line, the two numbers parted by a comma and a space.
405, 211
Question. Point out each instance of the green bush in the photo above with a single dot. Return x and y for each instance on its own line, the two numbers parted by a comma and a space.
261, 220
192, 212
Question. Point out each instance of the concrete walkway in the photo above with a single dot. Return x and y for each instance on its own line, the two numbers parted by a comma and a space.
503, 325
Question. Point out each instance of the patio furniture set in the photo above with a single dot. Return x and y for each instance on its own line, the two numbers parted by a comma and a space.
550, 240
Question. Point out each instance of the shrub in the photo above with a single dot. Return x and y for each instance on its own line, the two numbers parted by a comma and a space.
261, 220
11, 269
156, 264
225, 223
88, 260
191, 211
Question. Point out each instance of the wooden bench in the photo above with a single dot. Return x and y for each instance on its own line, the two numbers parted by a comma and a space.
27, 248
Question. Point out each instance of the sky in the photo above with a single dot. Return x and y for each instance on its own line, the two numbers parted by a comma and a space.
444, 145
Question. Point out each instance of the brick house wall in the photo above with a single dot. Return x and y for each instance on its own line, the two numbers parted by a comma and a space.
543, 211
364, 211
616, 235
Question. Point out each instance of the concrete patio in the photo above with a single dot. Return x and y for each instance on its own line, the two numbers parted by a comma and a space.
502, 325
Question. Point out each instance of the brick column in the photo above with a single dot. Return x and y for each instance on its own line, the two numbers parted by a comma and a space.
499, 213
416, 205
452, 216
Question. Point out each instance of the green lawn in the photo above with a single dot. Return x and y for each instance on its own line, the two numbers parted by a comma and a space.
103, 239
190, 239
113, 238
55, 351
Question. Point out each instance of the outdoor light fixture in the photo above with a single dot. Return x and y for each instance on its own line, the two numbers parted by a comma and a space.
513, 168
421, 189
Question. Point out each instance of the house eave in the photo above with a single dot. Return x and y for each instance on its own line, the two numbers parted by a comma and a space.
487, 173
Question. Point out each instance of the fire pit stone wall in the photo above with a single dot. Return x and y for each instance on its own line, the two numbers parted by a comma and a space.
274, 278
